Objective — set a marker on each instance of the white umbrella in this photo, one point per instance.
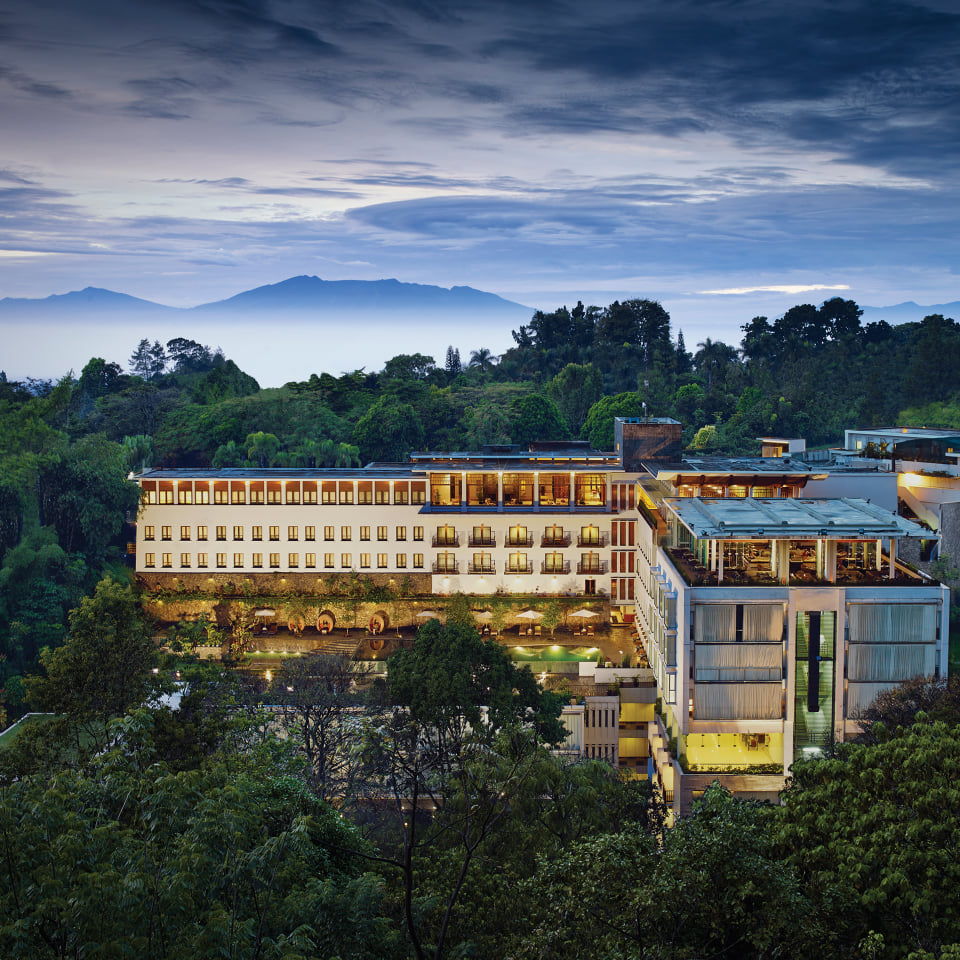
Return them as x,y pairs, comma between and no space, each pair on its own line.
265,612
427,614
484,615
583,613
530,615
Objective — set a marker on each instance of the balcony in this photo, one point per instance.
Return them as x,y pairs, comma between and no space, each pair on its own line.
593,540
519,540
446,540
551,540
519,569
591,568
446,566
482,540
555,568
482,569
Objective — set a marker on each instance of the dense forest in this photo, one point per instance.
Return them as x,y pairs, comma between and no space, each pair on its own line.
67,447
398,821
220,829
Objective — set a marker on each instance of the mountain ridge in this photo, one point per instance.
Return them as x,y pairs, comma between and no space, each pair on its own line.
296,295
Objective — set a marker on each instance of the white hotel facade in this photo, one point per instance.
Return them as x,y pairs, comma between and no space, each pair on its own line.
770,617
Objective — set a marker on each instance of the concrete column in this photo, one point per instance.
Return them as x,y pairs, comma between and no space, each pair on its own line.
879,546
463,492
499,491
783,560
719,561
830,560
536,491
573,491
893,558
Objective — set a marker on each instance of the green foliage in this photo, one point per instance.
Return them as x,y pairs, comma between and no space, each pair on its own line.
535,417
211,863
886,859
104,667
452,672
388,431
598,427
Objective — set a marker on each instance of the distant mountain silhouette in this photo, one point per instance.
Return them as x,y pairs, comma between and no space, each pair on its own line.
307,294
89,302
910,312
298,297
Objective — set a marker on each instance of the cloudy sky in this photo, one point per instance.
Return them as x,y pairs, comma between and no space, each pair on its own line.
728,157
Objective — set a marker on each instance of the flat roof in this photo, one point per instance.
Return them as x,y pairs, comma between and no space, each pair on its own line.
908,433
705,467
373,471
749,519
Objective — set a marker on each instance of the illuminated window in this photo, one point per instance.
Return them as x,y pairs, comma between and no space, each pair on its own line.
401,561
238,560
364,561
382,533
149,559
167,559
201,495
184,559
328,559
221,560
258,560
345,533
256,533
149,533
184,533
275,533
401,533
328,533
238,533
346,560
274,560
418,533
382,562
418,560
202,532
293,533
310,560
202,560
166,533
222,533
238,495
184,495
364,533
293,560
309,533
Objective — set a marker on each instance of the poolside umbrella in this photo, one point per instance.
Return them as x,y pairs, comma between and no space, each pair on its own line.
584,613
427,615
483,615
530,615
265,612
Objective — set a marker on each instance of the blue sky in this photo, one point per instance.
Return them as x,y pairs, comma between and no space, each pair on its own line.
728,158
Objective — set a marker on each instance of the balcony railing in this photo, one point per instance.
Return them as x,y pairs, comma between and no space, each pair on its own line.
593,540
521,540
597,567
555,568
482,568
446,540
551,540
516,569
483,540
442,566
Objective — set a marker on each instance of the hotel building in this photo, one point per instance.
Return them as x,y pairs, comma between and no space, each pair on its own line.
770,617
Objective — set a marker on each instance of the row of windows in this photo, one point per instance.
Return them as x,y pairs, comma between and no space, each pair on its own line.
446,535
293,532
273,561
242,496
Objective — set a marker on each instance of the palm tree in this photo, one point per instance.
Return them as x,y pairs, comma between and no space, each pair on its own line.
482,360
